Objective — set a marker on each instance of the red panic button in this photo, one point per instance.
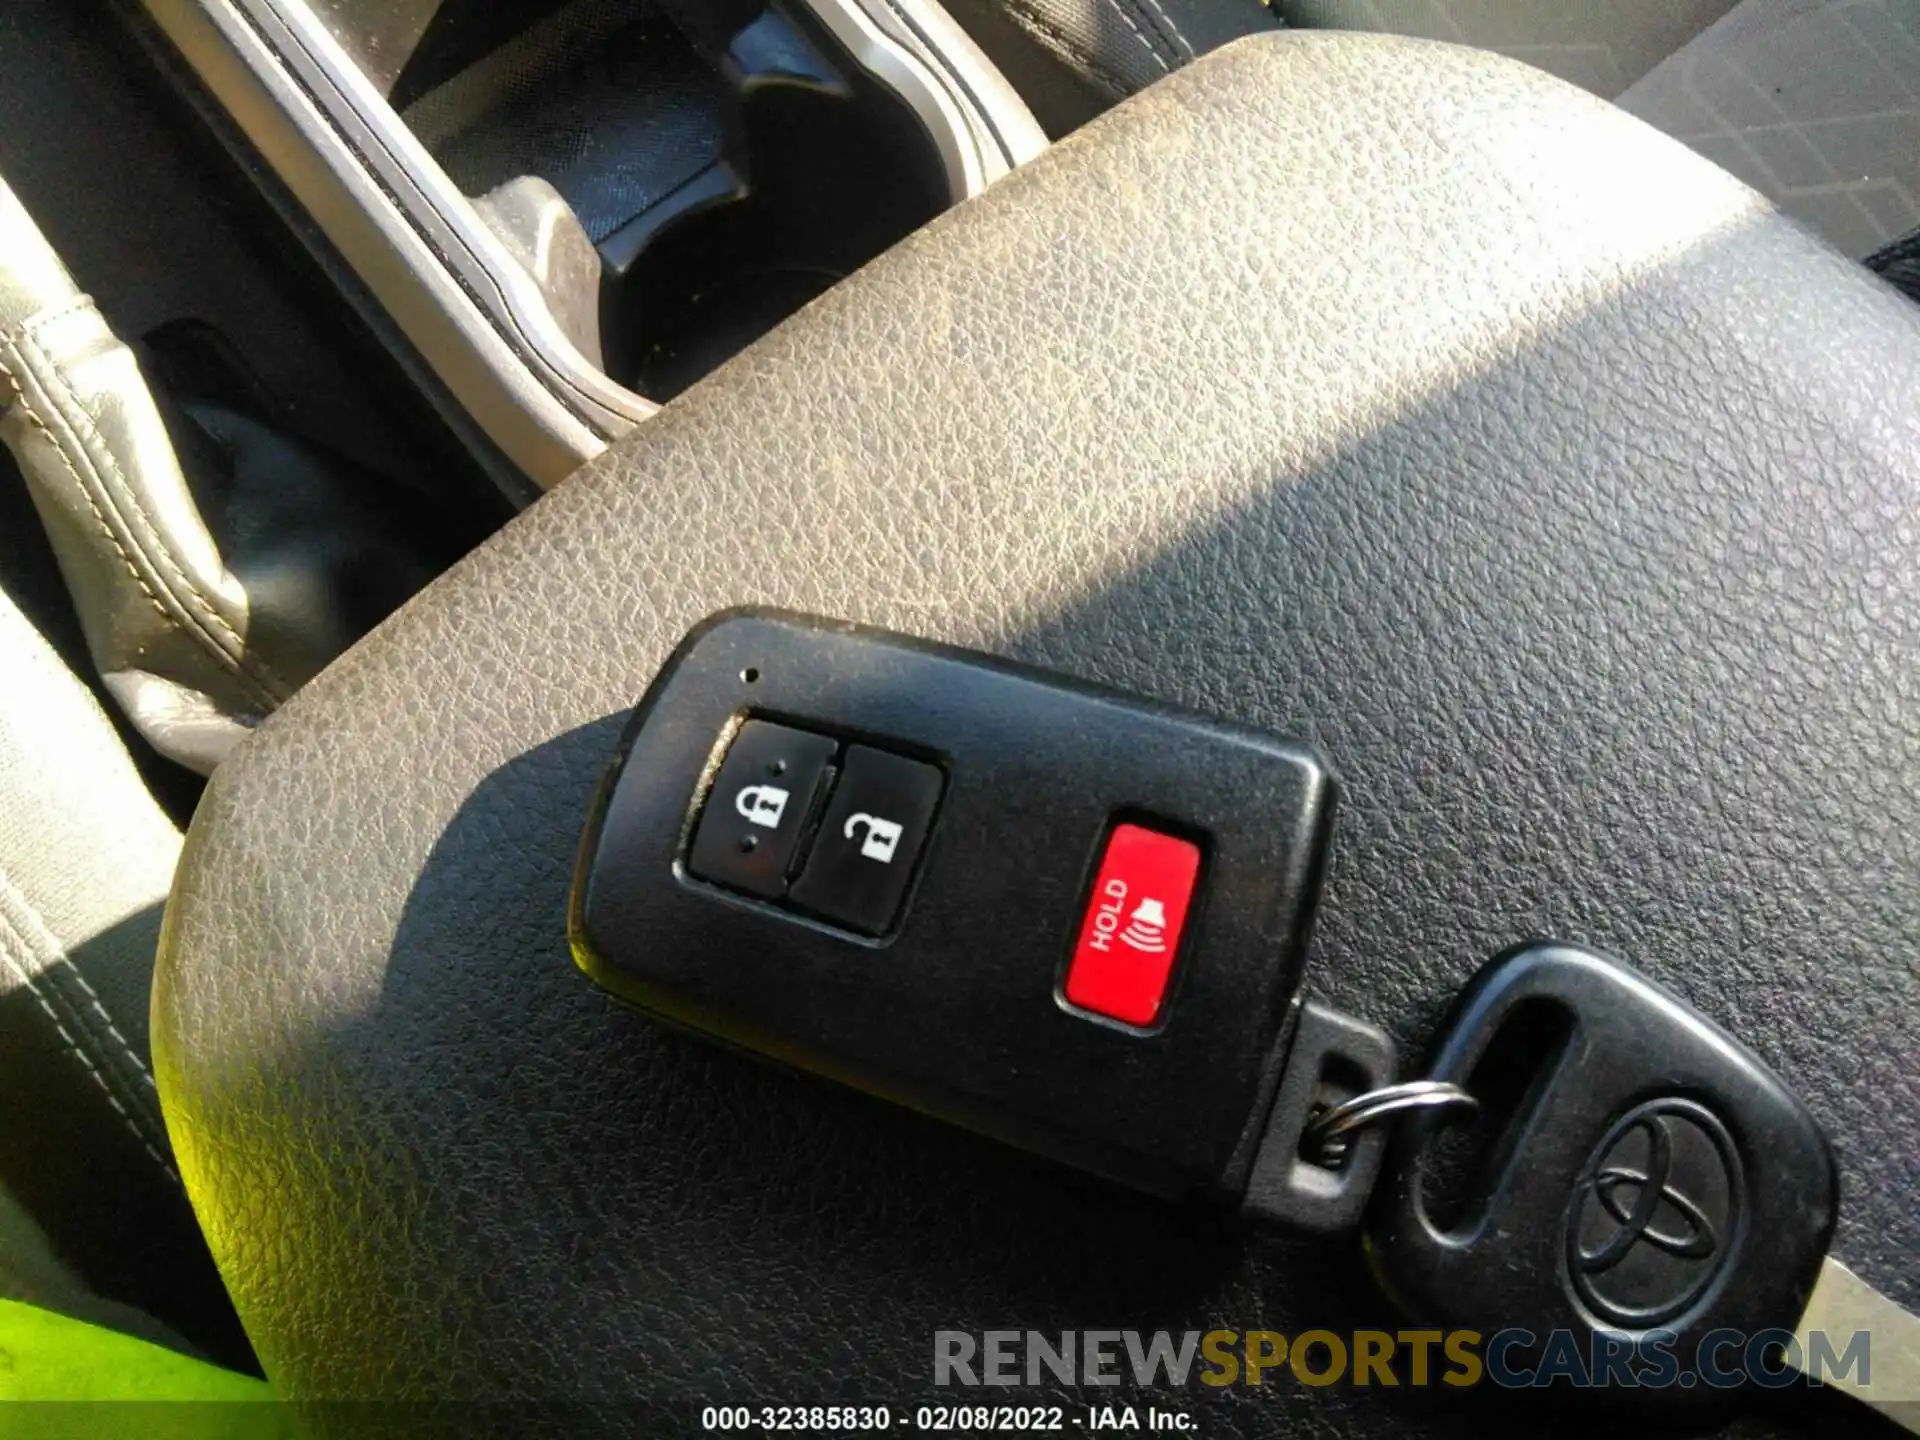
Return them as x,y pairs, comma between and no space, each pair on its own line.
1131,931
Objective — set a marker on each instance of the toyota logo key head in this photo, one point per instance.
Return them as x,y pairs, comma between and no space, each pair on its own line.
1654,1215
1635,1178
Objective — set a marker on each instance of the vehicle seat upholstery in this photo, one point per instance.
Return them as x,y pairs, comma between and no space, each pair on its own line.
86,857
1814,103
215,563
1072,59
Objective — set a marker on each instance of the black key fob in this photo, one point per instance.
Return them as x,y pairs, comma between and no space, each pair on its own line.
1072,919
1638,1179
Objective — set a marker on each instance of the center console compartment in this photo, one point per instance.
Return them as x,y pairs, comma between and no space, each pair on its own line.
573,209
721,180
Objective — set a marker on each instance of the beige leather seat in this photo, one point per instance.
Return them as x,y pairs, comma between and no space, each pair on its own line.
93,1218
86,856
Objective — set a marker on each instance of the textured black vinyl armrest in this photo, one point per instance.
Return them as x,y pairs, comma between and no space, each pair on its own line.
1382,394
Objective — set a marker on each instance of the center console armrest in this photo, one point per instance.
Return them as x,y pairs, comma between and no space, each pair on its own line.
1382,394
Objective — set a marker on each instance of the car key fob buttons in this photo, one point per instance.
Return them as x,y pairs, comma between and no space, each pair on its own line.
1066,917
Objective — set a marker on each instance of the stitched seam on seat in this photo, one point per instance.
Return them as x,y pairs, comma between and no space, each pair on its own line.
33,419
1068,49
207,643
1171,28
1088,60
79,1053
210,627
69,973
59,312
246,664
145,1093
1141,35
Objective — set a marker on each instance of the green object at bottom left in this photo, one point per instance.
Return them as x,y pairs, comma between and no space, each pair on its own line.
60,1376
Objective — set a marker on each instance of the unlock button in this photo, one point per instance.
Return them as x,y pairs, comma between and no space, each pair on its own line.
864,853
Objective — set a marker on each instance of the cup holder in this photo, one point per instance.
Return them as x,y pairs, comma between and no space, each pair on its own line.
821,177
725,180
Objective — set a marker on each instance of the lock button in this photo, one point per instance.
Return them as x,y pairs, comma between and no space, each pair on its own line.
757,809
864,852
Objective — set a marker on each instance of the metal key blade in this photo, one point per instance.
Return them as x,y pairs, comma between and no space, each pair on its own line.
1886,1374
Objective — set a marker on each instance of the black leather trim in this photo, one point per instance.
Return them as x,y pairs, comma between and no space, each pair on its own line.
1071,59
1380,394
1899,264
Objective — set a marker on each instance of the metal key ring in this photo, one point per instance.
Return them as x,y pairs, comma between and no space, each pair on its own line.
1327,1135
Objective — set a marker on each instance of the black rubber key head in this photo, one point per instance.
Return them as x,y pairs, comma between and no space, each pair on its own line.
1636,1171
